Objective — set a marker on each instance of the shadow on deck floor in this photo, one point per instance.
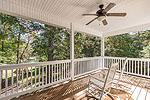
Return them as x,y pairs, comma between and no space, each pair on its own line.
76,90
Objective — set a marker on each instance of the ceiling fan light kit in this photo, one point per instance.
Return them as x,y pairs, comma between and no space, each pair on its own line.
102,14
101,18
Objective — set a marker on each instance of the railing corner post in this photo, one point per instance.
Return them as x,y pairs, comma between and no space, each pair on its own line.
72,51
102,50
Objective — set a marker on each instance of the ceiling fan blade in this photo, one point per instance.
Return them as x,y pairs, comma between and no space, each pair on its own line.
117,14
111,5
104,22
92,20
89,15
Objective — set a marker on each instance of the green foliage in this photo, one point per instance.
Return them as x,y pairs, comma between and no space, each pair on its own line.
21,39
51,44
135,45
86,45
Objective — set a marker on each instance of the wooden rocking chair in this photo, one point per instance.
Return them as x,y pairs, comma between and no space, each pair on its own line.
97,87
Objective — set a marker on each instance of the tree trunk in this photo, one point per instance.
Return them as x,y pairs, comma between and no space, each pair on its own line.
50,58
2,46
18,50
21,57
18,47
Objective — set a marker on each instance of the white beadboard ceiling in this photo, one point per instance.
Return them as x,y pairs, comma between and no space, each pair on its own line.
63,12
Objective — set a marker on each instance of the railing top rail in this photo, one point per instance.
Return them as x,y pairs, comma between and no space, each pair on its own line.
87,58
139,59
123,58
25,65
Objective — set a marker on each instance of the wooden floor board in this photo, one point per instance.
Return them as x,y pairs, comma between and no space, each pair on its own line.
137,88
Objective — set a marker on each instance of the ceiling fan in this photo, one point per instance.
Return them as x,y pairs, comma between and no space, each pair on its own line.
102,14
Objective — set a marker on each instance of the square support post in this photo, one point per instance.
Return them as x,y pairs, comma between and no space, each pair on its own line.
72,50
102,50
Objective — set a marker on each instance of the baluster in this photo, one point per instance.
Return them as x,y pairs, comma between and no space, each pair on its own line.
6,82
120,63
0,81
138,66
63,71
127,66
148,69
141,67
35,76
99,63
135,67
39,75
81,63
12,81
88,67
31,77
132,66
144,67
92,64
52,73
27,78
22,79
107,63
57,72
17,79
69,74
46,74
42,75
78,68
66,70
84,67
49,73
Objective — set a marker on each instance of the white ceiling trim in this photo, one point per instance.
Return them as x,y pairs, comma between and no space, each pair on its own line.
128,30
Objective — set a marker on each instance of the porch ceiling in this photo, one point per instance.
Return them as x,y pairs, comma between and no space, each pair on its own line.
63,12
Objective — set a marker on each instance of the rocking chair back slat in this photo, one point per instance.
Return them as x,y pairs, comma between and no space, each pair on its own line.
104,85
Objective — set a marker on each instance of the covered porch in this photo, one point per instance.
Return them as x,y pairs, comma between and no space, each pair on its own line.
57,83
68,79
76,90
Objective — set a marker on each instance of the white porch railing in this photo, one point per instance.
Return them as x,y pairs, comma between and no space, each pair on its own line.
86,65
23,78
134,66
19,79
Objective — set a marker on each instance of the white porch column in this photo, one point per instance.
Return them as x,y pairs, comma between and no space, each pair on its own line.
102,50
72,51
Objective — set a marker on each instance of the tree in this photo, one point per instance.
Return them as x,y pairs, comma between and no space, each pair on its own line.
51,44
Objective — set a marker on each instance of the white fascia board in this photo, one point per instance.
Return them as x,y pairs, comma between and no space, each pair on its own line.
128,30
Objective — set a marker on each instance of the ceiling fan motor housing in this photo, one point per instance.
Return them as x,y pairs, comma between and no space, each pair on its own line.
100,13
101,6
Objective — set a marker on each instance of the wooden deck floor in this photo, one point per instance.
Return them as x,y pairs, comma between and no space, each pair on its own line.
133,88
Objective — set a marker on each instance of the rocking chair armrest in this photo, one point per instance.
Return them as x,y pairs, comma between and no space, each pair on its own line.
103,73
96,78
